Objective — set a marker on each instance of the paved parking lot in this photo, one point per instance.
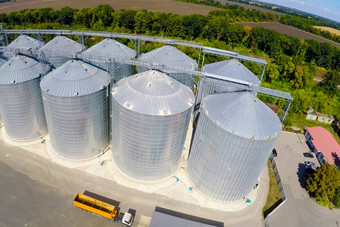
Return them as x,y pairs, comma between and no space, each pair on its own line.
299,209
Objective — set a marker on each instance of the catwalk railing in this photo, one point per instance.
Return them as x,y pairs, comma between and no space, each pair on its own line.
151,65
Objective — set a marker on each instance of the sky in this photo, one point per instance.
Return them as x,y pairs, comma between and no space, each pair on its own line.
325,8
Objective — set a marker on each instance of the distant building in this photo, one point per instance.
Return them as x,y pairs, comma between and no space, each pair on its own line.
316,116
324,145
325,118
311,115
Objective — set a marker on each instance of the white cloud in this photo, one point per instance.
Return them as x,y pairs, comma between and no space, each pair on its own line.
327,10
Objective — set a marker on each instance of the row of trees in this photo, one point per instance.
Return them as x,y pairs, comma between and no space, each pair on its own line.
308,25
292,62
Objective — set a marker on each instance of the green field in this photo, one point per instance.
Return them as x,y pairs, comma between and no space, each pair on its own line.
274,193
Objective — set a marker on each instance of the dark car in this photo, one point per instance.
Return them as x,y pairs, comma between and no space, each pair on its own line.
308,155
274,152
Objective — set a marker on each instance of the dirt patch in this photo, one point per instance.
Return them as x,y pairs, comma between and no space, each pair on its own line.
328,29
288,30
166,6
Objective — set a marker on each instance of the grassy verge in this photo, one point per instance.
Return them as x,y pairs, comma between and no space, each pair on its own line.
274,193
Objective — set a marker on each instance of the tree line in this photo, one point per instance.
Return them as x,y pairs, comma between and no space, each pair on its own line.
292,66
306,24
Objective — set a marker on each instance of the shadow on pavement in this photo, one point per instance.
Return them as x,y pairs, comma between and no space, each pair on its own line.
302,174
189,217
276,204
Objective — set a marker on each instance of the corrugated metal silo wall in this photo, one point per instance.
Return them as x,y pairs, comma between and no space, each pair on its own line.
57,61
146,147
225,166
210,86
78,126
22,110
184,78
117,71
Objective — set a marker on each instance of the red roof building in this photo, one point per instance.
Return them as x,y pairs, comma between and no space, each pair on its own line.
321,140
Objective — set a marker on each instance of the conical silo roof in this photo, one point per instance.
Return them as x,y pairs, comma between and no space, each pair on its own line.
110,48
242,114
75,78
62,44
171,56
21,68
233,69
153,93
24,41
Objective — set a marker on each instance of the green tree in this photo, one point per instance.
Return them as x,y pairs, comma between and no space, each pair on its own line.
336,198
65,16
323,183
331,81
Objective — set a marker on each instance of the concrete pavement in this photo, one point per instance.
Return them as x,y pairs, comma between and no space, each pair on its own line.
69,181
299,209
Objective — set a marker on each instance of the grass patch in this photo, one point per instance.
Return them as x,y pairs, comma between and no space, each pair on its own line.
301,122
274,193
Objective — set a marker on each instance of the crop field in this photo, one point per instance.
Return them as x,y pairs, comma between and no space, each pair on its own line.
166,6
331,30
288,30
250,7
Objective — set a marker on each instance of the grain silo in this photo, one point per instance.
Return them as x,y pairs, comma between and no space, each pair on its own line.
150,118
235,135
23,42
111,49
75,97
229,68
20,98
172,57
3,60
60,49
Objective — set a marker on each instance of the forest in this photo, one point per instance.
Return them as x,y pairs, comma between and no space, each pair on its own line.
292,63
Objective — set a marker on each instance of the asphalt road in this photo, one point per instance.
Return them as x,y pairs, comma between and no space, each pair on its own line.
25,202
299,209
37,192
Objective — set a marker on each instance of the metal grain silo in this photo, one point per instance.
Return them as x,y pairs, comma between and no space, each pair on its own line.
23,42
75,97
150,117
20,98
109,48
3,60
235,135
60,49
229,68
171,56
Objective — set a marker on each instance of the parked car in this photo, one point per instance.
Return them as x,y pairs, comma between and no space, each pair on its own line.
308,155
309,164
274,152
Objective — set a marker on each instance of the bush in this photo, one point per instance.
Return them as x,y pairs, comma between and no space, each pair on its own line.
336,198
288,122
